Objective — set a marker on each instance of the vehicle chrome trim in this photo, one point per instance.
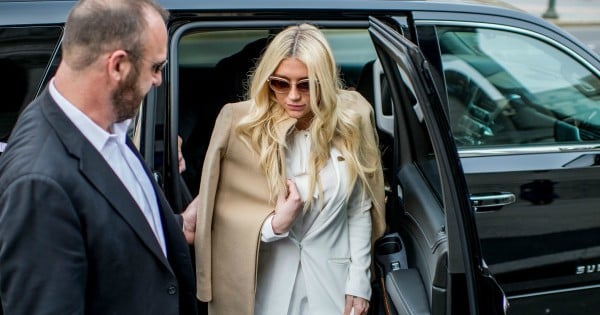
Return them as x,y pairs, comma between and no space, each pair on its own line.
558,148
540,261
483,201
549,292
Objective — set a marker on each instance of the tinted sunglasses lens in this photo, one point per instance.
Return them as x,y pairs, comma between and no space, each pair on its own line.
303,86
158,67
279,85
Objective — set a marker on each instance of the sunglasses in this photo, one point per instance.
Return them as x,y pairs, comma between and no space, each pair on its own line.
157,67
281,85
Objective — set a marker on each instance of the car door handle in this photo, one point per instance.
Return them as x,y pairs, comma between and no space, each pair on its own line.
491,201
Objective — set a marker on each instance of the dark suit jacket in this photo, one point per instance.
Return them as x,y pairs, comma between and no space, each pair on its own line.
72,239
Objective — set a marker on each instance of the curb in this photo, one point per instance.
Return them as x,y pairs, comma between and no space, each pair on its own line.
574,22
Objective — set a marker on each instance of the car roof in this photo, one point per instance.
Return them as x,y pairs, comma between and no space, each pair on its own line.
24,12
336,5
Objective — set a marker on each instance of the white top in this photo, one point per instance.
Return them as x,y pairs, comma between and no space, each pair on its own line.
299,300
296,162
126,165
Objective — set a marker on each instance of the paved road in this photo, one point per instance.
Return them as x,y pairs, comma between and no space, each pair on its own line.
588,34
569,11
579,17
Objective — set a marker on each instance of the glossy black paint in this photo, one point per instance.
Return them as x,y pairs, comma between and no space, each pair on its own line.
545,243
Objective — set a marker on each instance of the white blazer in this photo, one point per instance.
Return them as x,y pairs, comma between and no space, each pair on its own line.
334,255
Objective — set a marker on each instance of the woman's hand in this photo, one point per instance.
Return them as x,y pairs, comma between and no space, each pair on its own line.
287,209
360,305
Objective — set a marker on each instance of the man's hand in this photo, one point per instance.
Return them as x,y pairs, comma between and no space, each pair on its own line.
180,158
189,220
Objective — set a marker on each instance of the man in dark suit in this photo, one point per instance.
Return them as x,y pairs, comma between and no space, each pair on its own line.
84,229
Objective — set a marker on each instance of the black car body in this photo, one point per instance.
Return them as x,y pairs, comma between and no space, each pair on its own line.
489,123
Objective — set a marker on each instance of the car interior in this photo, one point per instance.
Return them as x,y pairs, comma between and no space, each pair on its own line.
17,85
535,97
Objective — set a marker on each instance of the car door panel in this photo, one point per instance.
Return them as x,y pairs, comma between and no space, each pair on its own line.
407,293
422,183
540,241
422,222
424,226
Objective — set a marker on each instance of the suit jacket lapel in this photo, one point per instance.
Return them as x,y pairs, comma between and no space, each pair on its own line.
93,166
166,213
178,251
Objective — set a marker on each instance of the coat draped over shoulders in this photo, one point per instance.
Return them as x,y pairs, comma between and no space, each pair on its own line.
231,212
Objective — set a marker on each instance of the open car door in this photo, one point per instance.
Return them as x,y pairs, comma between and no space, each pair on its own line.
428,203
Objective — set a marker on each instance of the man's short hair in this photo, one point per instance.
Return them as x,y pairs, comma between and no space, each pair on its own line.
94,27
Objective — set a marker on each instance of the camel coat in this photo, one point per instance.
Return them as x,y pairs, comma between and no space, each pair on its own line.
231,212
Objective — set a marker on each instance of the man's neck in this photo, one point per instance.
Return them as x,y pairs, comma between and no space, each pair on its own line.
82,91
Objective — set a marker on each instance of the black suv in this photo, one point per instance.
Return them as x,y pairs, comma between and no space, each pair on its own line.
489,123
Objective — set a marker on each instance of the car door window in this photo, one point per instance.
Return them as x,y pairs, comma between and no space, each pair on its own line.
509,89
24,56
523,110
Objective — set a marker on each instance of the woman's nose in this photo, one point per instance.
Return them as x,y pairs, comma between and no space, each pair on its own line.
294,94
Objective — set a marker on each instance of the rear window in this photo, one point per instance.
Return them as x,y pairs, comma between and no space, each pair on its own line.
24,56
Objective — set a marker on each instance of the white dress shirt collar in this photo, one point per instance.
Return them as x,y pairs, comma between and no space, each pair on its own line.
121,159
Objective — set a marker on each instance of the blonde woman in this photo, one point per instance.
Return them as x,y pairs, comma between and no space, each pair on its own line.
291,192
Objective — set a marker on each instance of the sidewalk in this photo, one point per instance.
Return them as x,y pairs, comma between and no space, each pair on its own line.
570,12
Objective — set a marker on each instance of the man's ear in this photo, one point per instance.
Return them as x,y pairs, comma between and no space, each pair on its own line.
119,64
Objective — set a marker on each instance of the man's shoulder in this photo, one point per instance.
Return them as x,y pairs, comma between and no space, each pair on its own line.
33,147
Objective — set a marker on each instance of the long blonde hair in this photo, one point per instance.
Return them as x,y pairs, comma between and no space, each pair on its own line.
330,125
